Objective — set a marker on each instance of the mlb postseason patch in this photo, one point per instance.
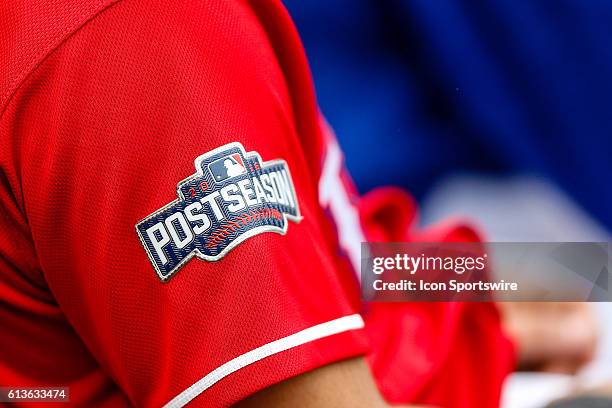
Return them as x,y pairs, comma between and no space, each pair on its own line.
232,196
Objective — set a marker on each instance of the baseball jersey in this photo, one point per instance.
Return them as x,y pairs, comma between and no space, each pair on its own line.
443,354
175,225
161,234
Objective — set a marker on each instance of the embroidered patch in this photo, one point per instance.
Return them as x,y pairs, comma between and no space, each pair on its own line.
232,196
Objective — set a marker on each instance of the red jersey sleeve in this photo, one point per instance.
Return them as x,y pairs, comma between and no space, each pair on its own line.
172,204
441,344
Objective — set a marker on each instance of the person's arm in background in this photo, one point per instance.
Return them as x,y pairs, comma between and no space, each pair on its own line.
551,336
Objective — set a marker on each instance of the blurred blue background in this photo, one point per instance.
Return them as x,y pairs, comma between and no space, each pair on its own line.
419,89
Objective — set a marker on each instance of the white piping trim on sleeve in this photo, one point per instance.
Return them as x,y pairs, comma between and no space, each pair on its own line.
319,331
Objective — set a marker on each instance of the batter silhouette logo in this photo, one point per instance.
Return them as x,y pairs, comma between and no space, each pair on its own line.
233,196
226,167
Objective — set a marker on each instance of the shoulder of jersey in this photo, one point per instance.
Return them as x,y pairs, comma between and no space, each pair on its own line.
35,29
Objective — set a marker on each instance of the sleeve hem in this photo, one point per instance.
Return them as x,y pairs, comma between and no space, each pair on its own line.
319,331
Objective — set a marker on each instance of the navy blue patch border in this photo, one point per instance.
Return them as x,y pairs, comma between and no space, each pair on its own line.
240,238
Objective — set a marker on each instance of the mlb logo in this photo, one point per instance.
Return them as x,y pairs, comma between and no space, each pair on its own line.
226,167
